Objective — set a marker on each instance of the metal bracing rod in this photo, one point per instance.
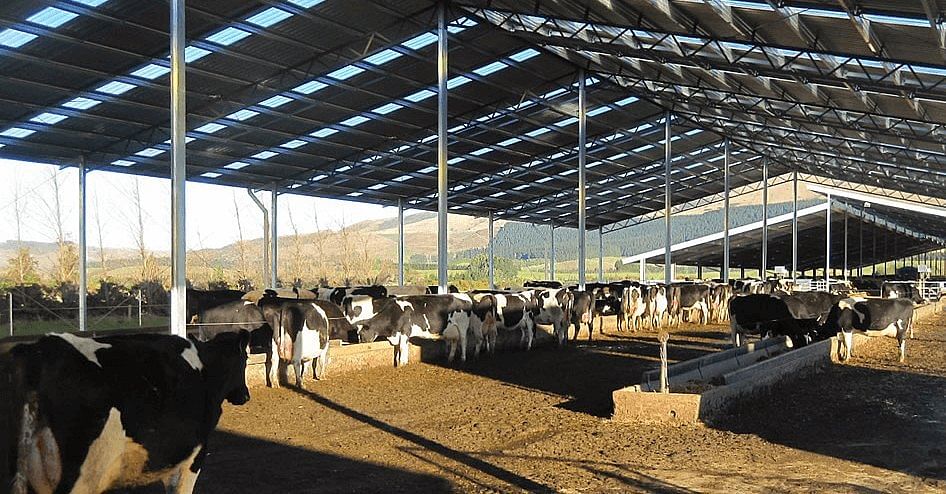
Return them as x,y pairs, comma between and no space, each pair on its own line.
400,242
267,229
83,249
274,239
442,67
794,224
765,218
178,172
552,251
668,269
827,241
490,257
726,191
600,255
582,189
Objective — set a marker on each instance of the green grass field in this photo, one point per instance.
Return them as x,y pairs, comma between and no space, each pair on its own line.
110,323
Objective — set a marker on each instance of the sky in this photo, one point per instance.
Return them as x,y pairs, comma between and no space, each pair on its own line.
211,221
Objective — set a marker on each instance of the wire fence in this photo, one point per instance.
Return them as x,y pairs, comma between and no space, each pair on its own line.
23,314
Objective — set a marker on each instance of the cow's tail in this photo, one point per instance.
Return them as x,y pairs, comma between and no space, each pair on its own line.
737,332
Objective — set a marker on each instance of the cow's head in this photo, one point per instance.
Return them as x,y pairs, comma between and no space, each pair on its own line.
367,334
224,360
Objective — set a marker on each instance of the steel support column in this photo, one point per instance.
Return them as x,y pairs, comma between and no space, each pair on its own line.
763,272
273,240
668,270
794,224
83,250
582,152
442,252
490,255
178,173
827,242
845,246
725,267
642,274
400,242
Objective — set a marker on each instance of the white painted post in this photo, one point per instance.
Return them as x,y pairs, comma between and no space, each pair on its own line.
400,242
827,246
273,240
10,300
442,67
724,274
765,219
663,337
668,273
83,251
490,255
178,172
642,276
139,308
582,144
794,224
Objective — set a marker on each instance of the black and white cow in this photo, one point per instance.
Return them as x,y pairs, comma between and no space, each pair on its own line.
434,289
362,308
200,300
301,333
336,295
96,414
633,307
892,317
687,298
582,307
607,298
799,316
543,284
555,306
447,317
658,304
720,294
902,290
516,311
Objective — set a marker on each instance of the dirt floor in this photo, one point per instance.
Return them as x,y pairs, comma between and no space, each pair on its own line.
537,421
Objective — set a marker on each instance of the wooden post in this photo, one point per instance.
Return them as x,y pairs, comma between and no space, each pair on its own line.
663,337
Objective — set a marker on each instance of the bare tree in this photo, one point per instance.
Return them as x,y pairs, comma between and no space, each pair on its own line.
103,259
348,254
319,239
138,230
22,266
297,263
241,244
66,265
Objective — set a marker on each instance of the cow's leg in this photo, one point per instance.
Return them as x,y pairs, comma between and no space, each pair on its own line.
272,366
477,338
184,476
463,343
530,334
847,344
298,367
736,332
320,368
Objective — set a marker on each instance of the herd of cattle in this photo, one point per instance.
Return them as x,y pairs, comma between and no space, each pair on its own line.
93,414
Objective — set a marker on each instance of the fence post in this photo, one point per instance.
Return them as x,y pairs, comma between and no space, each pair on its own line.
663,337
10,305
139,307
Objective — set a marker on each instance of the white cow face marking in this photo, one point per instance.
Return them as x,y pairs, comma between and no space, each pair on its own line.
86,346
189,354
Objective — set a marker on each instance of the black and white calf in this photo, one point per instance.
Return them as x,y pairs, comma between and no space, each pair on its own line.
875,317
91,415
516,311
